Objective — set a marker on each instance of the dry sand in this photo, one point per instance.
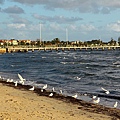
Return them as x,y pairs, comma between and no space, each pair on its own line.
18,103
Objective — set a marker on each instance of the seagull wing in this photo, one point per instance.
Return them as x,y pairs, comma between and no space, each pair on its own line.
103,89
20,77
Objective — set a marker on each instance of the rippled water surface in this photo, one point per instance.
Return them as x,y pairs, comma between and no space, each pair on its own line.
72,71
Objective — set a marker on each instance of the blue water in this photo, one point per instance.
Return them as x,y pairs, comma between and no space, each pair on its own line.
72,71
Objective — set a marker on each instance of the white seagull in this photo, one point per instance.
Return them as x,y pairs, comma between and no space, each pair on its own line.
51,94
8,80
32,88
115,105
94,97
16,83
96,100
106,91
45,86
22,80
53,89
74,96
61,91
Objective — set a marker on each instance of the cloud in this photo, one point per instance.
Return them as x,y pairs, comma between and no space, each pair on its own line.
86,27
57,19
114,26
89,6
16,26
13,9
19,20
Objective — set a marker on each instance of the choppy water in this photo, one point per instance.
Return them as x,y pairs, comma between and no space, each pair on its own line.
72,71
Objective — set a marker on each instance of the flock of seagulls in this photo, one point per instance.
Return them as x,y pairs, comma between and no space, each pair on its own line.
95,99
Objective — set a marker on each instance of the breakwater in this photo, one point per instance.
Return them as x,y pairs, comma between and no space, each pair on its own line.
26,49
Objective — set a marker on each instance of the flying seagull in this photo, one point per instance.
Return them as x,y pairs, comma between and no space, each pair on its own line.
106,91
22,80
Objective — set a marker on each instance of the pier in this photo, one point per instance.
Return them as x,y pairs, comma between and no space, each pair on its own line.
26,49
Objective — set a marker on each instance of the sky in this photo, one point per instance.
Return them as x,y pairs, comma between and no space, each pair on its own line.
73,20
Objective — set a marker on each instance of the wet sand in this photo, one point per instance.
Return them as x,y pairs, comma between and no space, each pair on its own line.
18,103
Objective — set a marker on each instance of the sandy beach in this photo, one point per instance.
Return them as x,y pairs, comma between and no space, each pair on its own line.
18,103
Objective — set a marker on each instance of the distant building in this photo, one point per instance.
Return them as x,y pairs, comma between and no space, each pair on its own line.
13,42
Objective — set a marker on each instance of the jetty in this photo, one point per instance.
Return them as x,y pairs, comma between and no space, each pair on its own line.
26,49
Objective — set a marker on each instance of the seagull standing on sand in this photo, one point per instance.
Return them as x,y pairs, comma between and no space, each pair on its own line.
115,105
32,88
51,94
61,91
94,97
44,87
106,91
74,96
16,83
96,100
8,80
53,89
22,80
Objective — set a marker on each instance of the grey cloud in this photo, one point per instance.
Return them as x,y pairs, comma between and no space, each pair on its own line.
93,6
13,9
57,19
19,20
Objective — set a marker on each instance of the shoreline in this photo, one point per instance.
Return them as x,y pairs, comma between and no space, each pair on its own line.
81,107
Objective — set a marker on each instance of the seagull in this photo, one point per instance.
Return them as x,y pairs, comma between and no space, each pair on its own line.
51,94
32,88
106,91
115,105
8,80
22,80
78,78
11,80
16,83
94,97
45,86
96,100
41,90
74,96
61,91
53,89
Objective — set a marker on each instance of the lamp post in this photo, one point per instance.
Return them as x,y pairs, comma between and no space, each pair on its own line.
66,36
40,33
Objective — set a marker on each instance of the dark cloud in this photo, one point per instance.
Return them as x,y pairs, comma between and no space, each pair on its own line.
57,19
93,6
13,9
